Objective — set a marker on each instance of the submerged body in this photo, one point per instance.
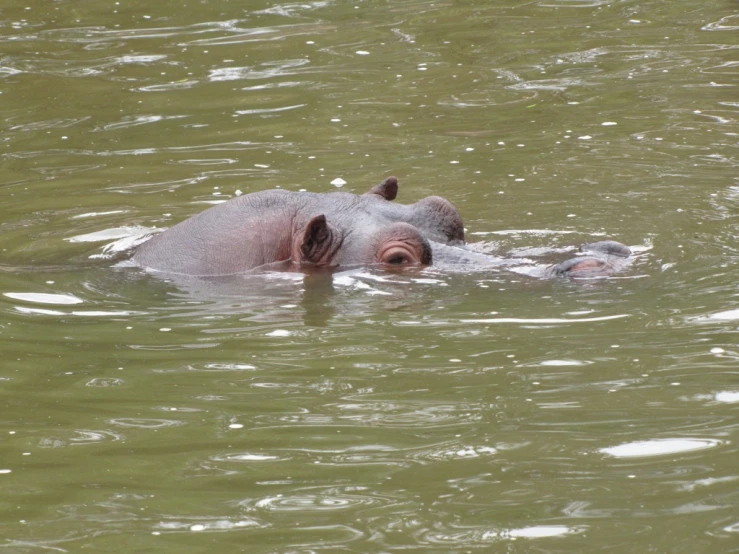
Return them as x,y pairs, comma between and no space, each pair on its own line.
338,229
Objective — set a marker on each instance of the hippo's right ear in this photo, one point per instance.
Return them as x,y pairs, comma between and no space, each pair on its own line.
388,189
316,240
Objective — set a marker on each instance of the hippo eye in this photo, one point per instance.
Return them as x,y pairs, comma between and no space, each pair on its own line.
398,254
402,245
398,260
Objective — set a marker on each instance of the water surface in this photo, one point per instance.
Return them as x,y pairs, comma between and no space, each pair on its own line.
415,412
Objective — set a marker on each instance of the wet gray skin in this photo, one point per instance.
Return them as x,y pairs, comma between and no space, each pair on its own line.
296,230
597,259
600,258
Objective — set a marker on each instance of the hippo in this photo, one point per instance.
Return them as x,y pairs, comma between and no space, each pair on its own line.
595,260
296,230
600,258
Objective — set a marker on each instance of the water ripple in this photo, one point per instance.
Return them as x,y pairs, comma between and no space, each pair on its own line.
728,23
293,10
222,366
491,535
353,498
454,451
207,524
268,70
142,423
246,457
81,437
95,34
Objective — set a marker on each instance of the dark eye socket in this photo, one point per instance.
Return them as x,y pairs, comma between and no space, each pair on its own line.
398,260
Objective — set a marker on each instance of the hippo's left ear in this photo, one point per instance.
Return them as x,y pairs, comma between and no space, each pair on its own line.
316,240
388,189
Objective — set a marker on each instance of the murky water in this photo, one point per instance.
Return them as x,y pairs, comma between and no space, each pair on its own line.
371,412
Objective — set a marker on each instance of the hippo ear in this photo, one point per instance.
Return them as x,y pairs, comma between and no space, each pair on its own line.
316,240
388,189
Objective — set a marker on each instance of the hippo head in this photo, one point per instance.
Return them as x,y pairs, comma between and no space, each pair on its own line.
372,229
395,244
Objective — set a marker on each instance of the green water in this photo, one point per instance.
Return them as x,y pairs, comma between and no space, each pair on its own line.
410,412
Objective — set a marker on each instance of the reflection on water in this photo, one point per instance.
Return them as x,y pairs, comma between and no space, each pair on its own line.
43,298
658,447
422,411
